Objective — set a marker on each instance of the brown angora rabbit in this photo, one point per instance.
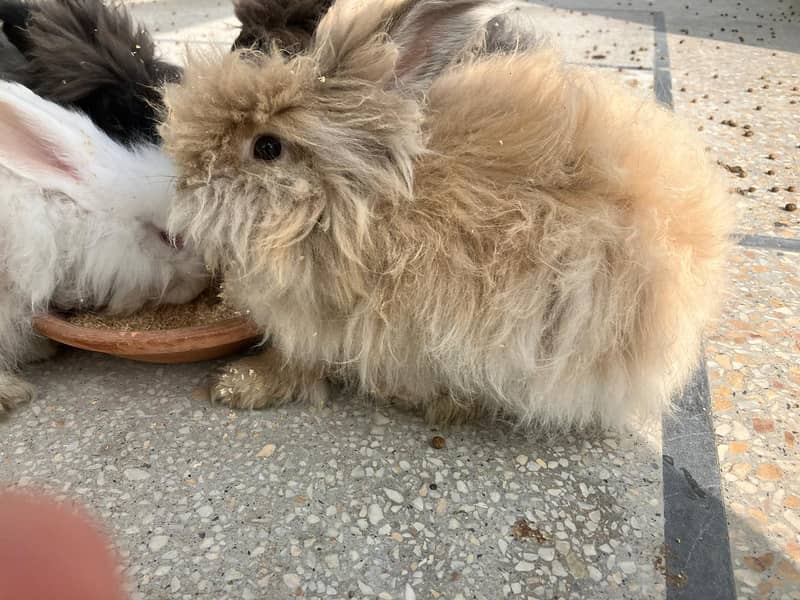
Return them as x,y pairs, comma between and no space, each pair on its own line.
525,239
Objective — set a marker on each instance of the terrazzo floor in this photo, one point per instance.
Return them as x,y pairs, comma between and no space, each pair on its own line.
353,501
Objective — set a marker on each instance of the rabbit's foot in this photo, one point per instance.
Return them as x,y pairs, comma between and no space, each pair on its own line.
268,380
40,349
14,391
446,411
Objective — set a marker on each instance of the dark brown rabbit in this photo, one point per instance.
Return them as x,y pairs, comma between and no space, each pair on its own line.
289,24
86,54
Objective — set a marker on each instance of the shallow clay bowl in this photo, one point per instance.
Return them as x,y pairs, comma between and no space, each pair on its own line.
166,346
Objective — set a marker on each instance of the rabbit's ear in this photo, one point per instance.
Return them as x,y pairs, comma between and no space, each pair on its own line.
39,140
62,150
433,34
351,40
404,42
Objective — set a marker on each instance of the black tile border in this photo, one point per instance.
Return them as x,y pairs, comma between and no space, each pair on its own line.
662,78
697,556
636,68
768,242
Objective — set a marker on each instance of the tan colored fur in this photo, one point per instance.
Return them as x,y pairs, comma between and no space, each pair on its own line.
530,239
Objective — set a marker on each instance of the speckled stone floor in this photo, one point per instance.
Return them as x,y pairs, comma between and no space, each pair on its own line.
348,502
354,502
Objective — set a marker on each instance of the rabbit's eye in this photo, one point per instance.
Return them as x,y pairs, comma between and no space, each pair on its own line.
267,147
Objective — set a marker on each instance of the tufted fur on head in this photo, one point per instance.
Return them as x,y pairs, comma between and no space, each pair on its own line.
526,238
289,24
91,56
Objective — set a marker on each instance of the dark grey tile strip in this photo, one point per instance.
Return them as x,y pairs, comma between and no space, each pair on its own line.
769,242
697,552
608,66
611,11
696,547
662,78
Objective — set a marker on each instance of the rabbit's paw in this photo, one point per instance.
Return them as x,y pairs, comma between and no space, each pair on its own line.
445,411
40,349
241,385
14,391
266,380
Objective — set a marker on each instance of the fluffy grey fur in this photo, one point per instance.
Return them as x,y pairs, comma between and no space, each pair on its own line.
10,59
287,23
85,54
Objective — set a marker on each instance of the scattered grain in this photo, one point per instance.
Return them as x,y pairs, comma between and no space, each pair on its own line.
207,308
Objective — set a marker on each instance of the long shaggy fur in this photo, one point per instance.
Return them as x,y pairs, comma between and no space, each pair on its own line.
288,24
86,54
528,240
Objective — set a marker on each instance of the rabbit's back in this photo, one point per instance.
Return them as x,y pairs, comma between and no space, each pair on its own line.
565,246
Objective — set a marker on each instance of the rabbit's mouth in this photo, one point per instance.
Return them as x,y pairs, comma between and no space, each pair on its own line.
173,241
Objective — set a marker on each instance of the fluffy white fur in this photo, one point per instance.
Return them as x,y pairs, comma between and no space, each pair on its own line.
81,224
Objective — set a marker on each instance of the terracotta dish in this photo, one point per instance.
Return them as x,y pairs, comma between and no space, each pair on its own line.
167,346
